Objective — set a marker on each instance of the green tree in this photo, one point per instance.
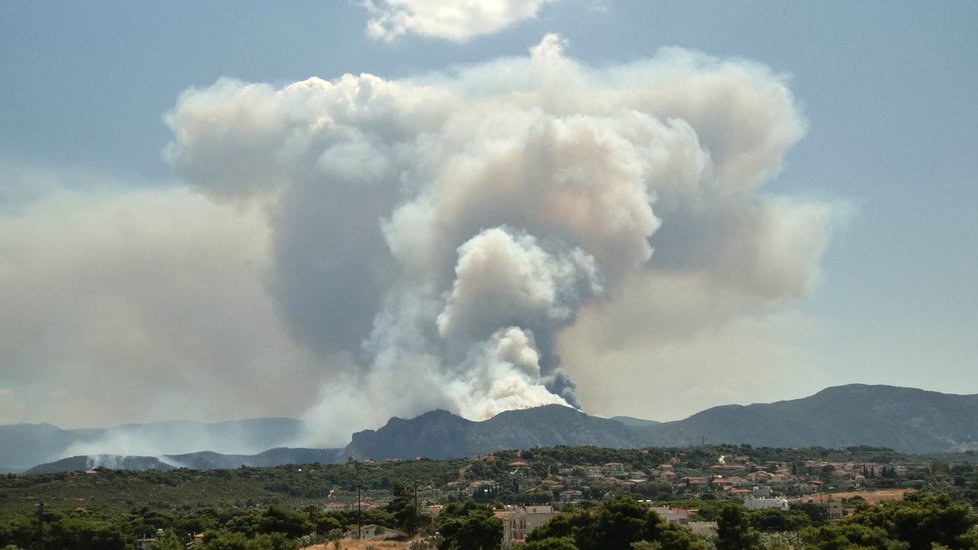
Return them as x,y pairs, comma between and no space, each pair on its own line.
403,506
563,525
677,537
619,522
325,524
469,526
921,520
84,532
292,523
17,531
550,543
848,536
169,541
225,540
272,541
826,473
197,521
856,502
817,515
245,522
776,520
733,529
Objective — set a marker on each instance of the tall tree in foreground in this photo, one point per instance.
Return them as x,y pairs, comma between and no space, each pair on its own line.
617,523
469,526
404,506
921,521
733,529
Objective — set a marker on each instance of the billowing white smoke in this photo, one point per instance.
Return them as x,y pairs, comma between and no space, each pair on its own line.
432,237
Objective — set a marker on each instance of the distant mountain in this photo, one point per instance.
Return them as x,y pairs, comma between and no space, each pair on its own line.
204,460
632,421
207,460
440,434
112,462
23,446
904,419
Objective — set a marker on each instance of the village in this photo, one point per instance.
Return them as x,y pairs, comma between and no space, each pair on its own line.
682,498
525,496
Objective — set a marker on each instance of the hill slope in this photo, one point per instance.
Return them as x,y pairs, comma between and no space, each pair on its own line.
905,419
440,434
23,446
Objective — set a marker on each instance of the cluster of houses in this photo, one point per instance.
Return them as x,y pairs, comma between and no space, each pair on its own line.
519,521
759,486
739,478
773,485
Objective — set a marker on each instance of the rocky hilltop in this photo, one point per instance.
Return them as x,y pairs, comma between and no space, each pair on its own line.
440,434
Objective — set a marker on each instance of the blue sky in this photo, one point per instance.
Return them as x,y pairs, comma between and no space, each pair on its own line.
104,234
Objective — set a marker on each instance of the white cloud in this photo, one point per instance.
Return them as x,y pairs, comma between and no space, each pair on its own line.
416,225
456,20
361,248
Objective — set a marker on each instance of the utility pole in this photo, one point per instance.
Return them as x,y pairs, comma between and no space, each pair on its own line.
359,528
415,507
40,526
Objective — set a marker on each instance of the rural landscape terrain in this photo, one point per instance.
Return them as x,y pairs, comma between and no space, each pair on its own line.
550,477
488,275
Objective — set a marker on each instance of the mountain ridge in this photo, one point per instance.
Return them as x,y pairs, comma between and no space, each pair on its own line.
24,446
440,434
907,420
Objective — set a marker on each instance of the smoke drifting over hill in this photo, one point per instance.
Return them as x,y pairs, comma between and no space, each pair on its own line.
433,238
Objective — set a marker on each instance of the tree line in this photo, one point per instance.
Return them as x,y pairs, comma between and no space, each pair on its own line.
920,521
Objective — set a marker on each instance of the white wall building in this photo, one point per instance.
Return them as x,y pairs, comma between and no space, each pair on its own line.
761,503
518,521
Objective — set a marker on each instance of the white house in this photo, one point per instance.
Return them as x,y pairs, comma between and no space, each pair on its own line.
761,503
519,521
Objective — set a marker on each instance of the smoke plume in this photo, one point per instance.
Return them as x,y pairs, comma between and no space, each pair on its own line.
435,239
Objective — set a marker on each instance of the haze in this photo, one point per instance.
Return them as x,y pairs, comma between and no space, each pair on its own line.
343,212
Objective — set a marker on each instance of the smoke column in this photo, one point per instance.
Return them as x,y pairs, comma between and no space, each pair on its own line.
434,236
